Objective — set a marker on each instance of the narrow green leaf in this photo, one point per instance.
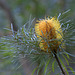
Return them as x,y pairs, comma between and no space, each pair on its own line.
59,73
49,73
39,67
66,59
66,12
72,62
64,66
46,66
71,69
67,55
34,70
53,66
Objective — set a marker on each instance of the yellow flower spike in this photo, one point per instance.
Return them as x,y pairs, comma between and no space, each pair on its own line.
49,33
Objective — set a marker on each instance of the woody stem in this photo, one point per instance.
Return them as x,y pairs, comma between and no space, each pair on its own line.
59,63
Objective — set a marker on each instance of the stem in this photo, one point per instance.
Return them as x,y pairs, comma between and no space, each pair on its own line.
59,63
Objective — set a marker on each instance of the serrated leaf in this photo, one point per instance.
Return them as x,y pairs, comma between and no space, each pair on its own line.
53,66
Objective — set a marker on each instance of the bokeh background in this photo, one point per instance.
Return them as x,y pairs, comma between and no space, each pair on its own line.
22,10
19,12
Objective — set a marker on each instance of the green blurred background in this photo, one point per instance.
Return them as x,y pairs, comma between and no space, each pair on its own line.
22,11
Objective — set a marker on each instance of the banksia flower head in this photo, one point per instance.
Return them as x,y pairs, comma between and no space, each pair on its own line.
49,34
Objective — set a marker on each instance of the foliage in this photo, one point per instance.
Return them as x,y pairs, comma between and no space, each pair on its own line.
24,44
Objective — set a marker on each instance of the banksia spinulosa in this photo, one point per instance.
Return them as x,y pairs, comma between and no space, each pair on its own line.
50,37
50,34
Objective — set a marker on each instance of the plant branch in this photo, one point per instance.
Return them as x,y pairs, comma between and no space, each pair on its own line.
59,63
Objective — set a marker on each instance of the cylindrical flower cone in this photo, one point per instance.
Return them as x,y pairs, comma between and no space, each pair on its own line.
50,37
49,34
